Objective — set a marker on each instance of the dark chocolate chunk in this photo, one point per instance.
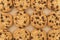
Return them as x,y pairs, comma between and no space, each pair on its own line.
21,6
37,17
2,20
24,21
0,33
34,22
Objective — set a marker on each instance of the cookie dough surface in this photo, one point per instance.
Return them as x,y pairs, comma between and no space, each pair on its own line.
38,35
54,20
21,4
21,34
5,5
38,19
6,19
54,5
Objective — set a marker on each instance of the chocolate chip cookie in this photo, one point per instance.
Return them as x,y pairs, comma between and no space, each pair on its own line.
5,5
54,34
38,19
54,5
21,19
38,4
38,35
54,20
6,19
21,34
5,35
21,4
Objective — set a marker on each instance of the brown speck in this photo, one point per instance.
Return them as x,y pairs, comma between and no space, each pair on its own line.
37,17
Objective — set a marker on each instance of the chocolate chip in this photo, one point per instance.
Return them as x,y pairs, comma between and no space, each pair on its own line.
0,33
25,36
37,17
57,18
5,39
7,0
56,23
34,22
6,16
31,37
2,20
24,21
18,0
53,36
44,2
54,15
1,17
52,7
43,23
34,7
40,8
57,10
36,13
8,21
21,6
42,38
39,24
20,37
2,3
39,12
13,39
49,35
15,18
43,18
3,8
24,12
20,27
28,39
39,35
17,12
20,13
41,30
10,6
59,38
51,26
51,0
33,3
23,25
50,21
57,6
39,2
6,26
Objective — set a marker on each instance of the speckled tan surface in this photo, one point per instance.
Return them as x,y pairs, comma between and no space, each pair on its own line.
30,28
